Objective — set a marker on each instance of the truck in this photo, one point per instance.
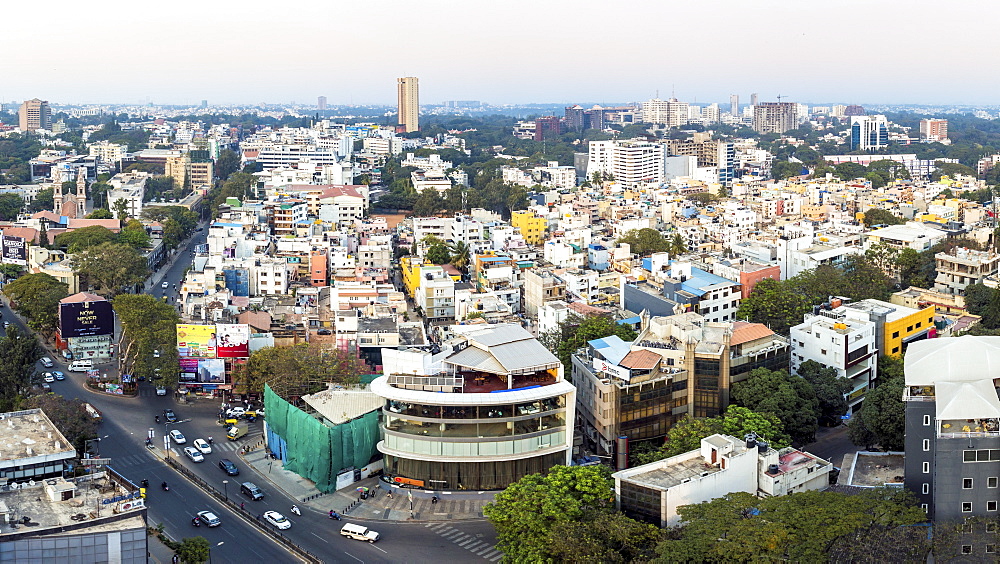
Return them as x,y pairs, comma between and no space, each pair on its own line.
92,411
237,431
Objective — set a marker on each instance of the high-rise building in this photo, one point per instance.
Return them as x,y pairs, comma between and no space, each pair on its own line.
934,130
204,104
774,117
546,127
952,423
734,104
671,113
854,110
573,117
35,114
869,132
321,102
710,114
754,99
631,162
408,94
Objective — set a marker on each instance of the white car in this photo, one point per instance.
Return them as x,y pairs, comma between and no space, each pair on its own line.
46,361
48,377
277,519
161,391
202,446
165,285
194,454
177,437
209,518
236,412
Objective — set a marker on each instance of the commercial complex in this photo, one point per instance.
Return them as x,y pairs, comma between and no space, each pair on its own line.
34,114
408,95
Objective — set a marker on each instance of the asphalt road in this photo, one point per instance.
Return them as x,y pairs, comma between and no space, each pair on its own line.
128,421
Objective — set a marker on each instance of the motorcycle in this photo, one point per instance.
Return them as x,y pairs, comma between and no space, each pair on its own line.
157,418
145,483
335,515
196,522
165,487
295,510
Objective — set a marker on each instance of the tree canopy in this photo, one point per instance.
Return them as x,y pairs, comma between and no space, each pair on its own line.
148,343
36,296
67,415
79,240
297,370
800,527
114,267
18,354
645,241
789,398
575,331
879,216
882,419
829,388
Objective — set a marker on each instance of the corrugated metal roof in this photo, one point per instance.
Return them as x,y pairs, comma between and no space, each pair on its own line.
522,355
641,359
744,332
478,359
498,334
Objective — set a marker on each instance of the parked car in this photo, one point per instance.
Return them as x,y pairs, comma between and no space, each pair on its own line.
324,332
168,414
59,375
177,437
228,467
277,519
46,361
46,387
209,518
202,446
161,391
48,377
194,454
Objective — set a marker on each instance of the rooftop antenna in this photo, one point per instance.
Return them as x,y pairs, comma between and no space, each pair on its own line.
780,97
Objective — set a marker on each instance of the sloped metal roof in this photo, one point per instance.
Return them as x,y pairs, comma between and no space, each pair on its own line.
966,400
477,359
954,359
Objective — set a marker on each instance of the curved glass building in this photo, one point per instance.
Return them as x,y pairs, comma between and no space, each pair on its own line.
491,409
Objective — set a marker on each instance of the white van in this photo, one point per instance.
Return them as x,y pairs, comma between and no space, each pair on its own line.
357,532
81,365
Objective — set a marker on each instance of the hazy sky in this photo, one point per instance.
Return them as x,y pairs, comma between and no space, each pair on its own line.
183,51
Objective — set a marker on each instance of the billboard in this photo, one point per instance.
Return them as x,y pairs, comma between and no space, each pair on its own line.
85,319
196,341
15,250
212,370
233,341
189,369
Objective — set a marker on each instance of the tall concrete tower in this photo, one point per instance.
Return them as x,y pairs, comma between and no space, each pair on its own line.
408,93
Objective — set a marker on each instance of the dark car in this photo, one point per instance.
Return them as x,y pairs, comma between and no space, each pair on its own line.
228,467
324,332
168,414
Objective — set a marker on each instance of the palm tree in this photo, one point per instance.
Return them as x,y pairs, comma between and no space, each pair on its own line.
460,255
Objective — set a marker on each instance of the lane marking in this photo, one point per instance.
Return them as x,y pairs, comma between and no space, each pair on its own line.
377,548
354,557
320,538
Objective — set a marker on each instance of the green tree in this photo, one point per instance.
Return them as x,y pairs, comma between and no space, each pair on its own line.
437,253
227,163
737,421
36,296
878,216
781,170
120,207
79,240
603,536
830,390
67,415
677,245
909,263
18,354
298,370
790,398
883,415
134,235
803,527
193,550
43,235
978,298
10,206
460,255
775,304
862,280
428,203
112,266
645,241
101,213
884,257
43,201
525,513
148,342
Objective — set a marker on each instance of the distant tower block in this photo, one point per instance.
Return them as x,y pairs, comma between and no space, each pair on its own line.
408,93
321,102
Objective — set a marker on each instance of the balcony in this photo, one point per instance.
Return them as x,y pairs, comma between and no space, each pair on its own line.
959,428
918,393
484,382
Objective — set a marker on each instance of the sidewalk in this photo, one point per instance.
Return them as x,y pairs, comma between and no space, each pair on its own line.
452,506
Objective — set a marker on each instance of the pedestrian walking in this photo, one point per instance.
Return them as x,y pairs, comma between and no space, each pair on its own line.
388,494
242,505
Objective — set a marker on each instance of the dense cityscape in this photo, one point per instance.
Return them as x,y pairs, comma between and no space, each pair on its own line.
644,331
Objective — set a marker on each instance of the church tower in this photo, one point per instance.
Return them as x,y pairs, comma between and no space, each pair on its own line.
81,192
57,198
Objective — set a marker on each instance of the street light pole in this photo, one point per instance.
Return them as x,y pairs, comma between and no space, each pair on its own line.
225,486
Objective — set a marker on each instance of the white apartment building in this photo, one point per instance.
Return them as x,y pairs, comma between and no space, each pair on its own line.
670,113
434,179
292,156
582,284
269,276
436,294
961,267
430,162
107,152
844,340
914,235
563,255
130,187
632,162
383,145
429,226
465,229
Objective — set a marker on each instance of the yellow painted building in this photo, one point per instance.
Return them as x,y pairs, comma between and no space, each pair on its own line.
412,268
903,325
532,227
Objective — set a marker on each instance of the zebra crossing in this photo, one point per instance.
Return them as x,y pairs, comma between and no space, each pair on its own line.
469,542
142,457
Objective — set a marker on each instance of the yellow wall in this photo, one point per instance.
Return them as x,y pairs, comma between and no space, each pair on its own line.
532,228
896,331
411,267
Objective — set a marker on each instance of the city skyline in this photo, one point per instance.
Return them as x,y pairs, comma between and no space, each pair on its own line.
820,53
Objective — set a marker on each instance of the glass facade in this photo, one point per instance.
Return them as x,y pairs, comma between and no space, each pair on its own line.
641,503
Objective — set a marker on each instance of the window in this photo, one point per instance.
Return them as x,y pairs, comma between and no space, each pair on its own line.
924,507
966,507
991,506
966,549
822,351
895,335
991,482
895,350
991,548
925,489
927,467
967,483
927,445
927,420
991,527
919,325
910,328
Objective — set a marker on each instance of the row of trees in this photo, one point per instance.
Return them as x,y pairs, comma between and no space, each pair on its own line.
568,516
297,370
148,343
646,241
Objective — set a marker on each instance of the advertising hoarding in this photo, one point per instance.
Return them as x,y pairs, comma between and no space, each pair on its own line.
15,250
196,341
233,340
212,370
85,319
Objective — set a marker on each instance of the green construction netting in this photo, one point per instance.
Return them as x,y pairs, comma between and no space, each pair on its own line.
314,450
